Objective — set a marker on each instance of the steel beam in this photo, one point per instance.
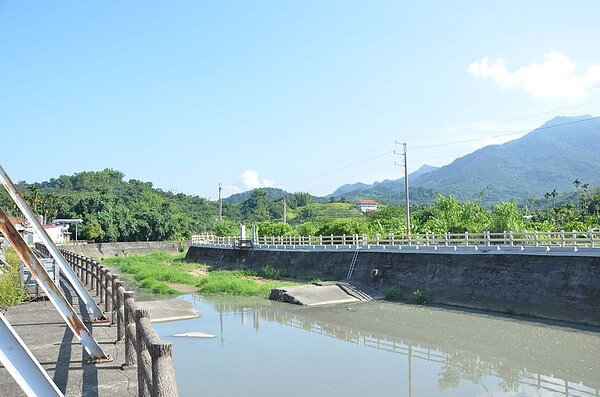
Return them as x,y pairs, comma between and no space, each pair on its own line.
22,365
83,294
52,291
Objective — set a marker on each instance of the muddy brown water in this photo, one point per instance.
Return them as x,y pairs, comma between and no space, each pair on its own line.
263,348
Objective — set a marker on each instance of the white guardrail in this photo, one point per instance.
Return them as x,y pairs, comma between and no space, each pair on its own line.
536,242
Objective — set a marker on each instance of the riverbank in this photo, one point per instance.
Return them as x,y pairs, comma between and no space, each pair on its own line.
563,288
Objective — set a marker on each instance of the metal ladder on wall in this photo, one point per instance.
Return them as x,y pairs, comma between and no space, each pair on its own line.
352,265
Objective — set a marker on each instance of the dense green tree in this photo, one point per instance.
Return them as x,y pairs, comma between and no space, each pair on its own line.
338,227
273,229
387,220
226,228
506,217
256,208
302,199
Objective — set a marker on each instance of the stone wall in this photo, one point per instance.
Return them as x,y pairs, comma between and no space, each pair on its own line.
563,288
98,251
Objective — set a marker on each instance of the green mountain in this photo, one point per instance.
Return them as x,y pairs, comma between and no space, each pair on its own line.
549,158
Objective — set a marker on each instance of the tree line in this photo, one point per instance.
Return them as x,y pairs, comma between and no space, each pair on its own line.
113,210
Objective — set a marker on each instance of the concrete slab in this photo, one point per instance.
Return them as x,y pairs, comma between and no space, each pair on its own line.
59,352
62,356
169,310
312,295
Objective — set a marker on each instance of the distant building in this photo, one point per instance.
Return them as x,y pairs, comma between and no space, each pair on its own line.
366,205
59,234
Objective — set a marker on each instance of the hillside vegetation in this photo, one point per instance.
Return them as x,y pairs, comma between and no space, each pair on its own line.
115,210
546,180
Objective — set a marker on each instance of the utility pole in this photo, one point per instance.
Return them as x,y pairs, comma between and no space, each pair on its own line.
407,200
220,203
284,209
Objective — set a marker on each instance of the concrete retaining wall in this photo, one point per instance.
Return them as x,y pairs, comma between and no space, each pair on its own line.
553,287
98,251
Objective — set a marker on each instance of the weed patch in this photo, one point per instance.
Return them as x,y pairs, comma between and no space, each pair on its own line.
393,294
156,271
11,292
421,297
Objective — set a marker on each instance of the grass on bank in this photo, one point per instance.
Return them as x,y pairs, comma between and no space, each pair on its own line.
11,292
164,273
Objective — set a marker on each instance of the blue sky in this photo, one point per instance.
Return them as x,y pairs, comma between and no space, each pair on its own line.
299,95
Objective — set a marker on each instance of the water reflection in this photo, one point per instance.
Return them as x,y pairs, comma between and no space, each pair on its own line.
434,361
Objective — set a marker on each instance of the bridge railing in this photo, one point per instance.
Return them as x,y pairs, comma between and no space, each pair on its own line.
533,238
143,347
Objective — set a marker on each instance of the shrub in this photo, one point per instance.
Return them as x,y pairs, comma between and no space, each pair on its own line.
393,294
11,292
421,297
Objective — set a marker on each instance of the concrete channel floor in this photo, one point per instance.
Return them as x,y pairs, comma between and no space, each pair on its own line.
60,353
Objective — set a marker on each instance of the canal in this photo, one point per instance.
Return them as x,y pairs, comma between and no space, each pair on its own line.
264,348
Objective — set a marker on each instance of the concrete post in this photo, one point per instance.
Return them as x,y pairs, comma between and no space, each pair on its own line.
99,269
163,376
113,292
120,310
142,354
130,330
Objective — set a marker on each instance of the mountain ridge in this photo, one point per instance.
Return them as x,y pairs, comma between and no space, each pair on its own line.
550,157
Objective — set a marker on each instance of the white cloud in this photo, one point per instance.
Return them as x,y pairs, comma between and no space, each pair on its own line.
251,181
555,78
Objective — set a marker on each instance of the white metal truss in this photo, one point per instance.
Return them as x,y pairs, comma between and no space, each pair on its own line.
52,291
83,294
22,365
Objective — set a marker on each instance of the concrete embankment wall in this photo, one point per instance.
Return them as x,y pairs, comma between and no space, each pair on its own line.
99,251
563,288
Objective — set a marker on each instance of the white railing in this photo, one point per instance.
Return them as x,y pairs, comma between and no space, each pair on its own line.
535,239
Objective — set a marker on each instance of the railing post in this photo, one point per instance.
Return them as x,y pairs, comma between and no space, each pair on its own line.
467,239
591,238
141,350
99,269
392,239
87,271
536,238
113,292
79,267
163,376
130,330
510,236
562,238
377,237
120,310
108,303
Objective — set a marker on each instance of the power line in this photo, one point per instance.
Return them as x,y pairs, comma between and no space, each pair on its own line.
315,176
